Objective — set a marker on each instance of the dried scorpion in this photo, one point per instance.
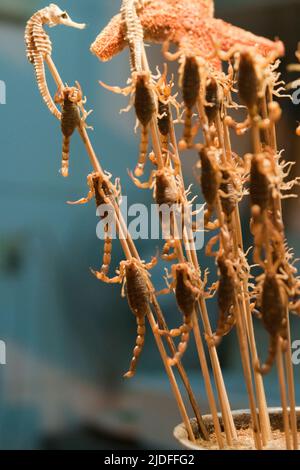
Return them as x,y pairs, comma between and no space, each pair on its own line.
213,99
165,99
226,291
133,273
191,72
215,182
102,190
39,47
142,92
256,75
71,101
167,192
266,225
188,289
274,303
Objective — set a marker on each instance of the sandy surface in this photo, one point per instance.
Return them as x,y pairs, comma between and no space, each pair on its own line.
245,441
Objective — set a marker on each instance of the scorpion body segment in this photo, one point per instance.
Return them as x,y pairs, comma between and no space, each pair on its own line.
210,176
248,83
190,82
273,316
228,198
185,296
38,46
164,119
166,191
145,108
144,103
226,297
190,91
213,100
259,183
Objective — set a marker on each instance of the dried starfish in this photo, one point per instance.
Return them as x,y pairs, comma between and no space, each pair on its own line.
190,24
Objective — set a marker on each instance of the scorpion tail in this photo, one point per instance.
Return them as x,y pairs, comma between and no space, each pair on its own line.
266,367
65,157
187,140
139,170
185,337
140,340
107,251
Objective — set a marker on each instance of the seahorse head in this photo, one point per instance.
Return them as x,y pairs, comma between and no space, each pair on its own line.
53,16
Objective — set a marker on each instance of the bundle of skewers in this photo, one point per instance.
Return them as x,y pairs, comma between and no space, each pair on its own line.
217,75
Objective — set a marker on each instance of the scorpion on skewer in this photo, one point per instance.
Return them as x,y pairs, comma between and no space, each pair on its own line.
102,190
226,288
135,278
193,72
39,47
216,181
165,100
71,101
256,75
168,193
188,288
143,98
274,304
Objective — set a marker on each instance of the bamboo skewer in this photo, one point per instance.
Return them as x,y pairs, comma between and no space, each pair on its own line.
291,389
282,387
223,134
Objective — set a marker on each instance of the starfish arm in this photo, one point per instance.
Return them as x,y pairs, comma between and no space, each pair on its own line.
202,45
227,36
111,41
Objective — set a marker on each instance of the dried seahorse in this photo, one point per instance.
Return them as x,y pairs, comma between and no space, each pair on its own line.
134,33
38,45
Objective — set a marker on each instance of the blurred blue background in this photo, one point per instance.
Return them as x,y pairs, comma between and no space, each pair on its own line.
69,338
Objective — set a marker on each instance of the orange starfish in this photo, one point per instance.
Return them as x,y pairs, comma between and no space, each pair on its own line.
190,24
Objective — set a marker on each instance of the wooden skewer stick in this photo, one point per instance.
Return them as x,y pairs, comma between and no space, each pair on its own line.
282,387
291,387
224,139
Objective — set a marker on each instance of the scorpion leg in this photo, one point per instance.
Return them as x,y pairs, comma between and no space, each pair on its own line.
84,200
